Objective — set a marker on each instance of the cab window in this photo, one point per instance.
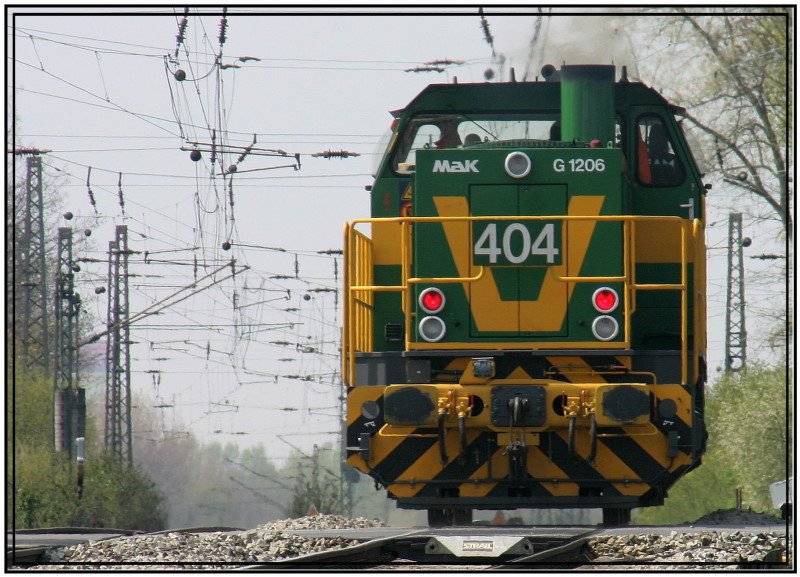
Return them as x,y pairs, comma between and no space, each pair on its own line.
422,137
458,130
656,160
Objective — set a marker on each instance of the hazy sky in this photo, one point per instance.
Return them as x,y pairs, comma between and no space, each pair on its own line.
251,357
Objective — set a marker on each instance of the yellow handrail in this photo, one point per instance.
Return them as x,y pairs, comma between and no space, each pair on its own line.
357,330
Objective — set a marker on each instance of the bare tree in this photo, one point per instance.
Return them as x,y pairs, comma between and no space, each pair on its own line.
728,67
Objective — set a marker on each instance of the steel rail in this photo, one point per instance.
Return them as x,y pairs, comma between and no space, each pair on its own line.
566,554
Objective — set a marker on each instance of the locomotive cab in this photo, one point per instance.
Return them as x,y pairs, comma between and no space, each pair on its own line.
524,321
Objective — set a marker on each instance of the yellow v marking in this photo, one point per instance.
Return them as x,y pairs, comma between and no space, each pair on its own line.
548,311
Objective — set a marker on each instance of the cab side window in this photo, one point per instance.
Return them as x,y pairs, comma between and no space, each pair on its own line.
422,136
656,161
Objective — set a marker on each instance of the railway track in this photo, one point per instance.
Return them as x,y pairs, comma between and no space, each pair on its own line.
479,547
384,548
29,546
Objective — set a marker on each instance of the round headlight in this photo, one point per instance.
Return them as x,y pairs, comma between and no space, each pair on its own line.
605,328
432,329
518,164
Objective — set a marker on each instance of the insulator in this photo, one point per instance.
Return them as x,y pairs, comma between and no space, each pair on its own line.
181,31
335,154
121,198
487,34
222,26
213,146
444,62
425,69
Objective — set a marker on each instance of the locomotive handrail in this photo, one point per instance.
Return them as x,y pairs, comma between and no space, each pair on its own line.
359,285
577,217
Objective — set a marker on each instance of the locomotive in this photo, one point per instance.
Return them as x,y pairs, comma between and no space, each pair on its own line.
524,309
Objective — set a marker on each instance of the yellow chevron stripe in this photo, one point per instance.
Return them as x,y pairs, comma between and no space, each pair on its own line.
575,370
499,470
481,489
609,465
459,364
655,444
540,466
518,373
428,465
382,446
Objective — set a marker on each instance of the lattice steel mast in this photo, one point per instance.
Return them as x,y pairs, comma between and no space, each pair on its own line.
34,329
68,397
118,438
735,330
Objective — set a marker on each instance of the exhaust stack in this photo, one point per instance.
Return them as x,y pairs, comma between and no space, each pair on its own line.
587,102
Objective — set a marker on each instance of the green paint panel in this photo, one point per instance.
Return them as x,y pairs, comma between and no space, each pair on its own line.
656,322
386,308
530,283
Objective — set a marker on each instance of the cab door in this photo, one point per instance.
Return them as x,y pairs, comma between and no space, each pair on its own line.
509,302
664,183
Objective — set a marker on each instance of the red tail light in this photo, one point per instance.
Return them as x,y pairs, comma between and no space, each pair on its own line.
431,300
605,299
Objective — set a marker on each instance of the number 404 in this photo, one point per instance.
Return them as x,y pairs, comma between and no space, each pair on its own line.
543,245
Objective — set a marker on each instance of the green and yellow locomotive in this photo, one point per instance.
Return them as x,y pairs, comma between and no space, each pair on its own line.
524,320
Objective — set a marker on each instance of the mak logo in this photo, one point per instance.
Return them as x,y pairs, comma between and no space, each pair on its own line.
455,166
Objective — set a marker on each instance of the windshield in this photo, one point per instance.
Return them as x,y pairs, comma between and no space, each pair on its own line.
460,130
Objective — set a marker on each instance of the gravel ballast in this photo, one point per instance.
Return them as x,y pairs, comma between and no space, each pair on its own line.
705,547
275,541
192,551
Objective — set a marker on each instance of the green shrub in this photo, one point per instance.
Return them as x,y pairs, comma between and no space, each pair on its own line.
43,487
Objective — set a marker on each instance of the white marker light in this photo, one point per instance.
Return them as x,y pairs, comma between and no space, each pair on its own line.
518,164
605,328
432,329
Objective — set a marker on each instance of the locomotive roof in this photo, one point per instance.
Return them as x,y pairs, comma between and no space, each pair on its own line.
514,96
